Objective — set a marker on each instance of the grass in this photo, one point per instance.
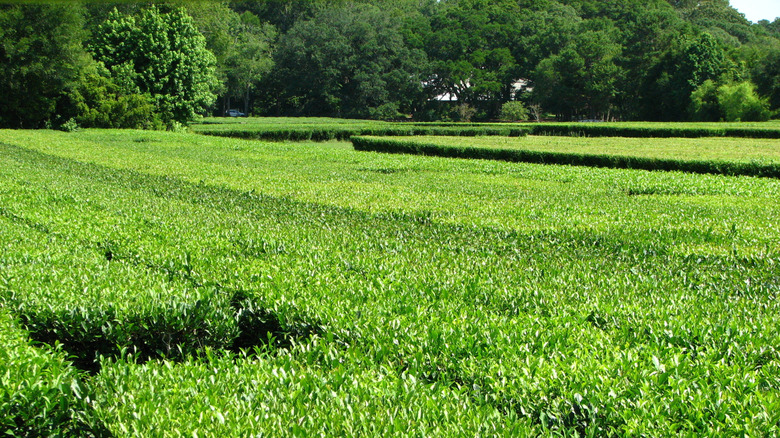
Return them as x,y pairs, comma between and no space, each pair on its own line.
760,157
439,296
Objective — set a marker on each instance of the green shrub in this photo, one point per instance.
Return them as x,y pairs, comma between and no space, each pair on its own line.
464,112
70,126
514,111
99,102
740,102
704,105
387,111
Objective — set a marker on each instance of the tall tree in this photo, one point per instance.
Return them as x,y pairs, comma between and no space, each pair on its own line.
40,57
251,58
667,91
582,79
766,75
160,54
348,61
470,48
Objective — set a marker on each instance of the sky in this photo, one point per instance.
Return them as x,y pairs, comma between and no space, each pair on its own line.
756,10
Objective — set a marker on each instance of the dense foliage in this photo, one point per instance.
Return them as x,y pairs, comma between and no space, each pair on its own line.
388,59
397,295
161,55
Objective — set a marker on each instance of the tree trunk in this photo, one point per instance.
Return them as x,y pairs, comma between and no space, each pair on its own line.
246,102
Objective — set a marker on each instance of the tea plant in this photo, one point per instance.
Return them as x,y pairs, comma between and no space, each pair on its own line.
536,300
720,156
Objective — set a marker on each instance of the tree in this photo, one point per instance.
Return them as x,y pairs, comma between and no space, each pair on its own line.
220,26
704,105
766,75
96,101
470,50
347,61
160,54
719,19
40,57
514,111
251,59
582,79
694,60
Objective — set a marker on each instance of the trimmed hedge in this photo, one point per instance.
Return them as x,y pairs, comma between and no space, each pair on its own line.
340,133
391,145
599,130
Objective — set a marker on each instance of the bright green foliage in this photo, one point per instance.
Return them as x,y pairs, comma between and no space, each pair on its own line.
514,111
98,102
160,54
731,157
40,393
733,102
739,102
565,300
319,392
92,304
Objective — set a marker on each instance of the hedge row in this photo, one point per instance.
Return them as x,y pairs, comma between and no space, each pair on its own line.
390,145
600,130
341,133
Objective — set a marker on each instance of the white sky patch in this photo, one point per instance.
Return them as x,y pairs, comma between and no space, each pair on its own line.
757,10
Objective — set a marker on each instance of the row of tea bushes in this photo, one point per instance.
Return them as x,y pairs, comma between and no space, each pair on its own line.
322,129
92,304
338,132
656,130
452,149
316,391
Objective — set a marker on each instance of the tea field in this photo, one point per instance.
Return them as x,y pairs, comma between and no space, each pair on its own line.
322,129
164,284
730,155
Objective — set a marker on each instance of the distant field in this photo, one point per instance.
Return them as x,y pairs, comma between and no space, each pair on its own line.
773,124
311,128
238,287
323,129
708,155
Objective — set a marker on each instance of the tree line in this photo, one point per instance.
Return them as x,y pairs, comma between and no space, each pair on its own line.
162,64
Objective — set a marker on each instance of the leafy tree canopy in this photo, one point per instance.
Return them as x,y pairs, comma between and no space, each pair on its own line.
40,57
349,61
160,54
